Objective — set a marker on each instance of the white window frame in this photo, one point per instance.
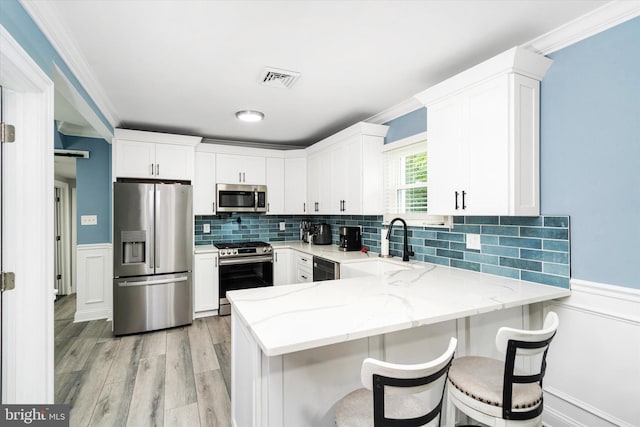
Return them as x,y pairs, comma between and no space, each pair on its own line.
416,219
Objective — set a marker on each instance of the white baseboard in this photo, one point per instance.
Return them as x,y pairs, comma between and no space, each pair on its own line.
206,313
593,373
94,283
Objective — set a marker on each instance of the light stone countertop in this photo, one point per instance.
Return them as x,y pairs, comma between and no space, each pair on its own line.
290,318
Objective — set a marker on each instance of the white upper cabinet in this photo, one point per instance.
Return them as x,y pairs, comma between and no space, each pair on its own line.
295,185
153,155
345,172
483,138
275,185
204,183
240,169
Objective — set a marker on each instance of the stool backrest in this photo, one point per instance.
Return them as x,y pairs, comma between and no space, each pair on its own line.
406,379
519,342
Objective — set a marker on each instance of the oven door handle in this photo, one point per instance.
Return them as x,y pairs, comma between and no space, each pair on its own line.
245,260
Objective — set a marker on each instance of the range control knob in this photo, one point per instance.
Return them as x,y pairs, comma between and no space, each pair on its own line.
223,252
235,252
270,249
264,249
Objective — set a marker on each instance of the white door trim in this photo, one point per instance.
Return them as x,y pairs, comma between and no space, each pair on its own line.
27,315
65,236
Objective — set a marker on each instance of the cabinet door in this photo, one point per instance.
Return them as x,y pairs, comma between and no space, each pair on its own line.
295,186
174,161
283,267
204,184
487,150
135,159
320,182
346,163
238,169
275,185
206,293
445,159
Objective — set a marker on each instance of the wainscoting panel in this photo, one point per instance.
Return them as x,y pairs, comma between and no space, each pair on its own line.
94,286
593,374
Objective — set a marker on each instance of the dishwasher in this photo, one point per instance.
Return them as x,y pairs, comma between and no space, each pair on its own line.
323,269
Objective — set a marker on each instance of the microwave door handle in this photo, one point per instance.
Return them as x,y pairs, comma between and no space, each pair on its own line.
255,200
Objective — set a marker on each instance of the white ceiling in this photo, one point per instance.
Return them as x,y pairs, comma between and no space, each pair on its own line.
188,66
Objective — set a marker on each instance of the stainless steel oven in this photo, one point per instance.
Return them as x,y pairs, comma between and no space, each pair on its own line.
243,266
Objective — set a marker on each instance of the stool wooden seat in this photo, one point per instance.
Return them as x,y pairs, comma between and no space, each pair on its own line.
496,392
396,394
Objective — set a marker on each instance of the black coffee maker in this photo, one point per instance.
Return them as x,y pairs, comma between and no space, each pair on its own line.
350,239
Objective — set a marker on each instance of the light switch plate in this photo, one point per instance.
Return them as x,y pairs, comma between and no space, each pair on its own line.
473,241
206,228
283,226
88,219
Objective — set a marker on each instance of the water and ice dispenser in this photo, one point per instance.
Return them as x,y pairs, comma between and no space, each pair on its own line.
134,245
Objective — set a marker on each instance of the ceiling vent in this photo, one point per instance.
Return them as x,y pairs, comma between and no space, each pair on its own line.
275,77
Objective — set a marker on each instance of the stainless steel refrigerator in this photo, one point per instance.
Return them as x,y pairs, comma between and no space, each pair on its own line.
152,261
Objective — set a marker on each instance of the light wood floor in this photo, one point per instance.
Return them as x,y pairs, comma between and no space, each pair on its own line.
175,377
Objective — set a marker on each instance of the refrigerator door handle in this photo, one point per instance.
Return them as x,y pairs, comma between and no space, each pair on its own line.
153,282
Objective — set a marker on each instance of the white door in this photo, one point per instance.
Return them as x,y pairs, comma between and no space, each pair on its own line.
27,227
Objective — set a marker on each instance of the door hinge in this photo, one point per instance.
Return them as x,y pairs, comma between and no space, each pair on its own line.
7,281
7,133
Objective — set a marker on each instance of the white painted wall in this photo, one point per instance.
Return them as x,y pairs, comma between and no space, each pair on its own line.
94,282
593,373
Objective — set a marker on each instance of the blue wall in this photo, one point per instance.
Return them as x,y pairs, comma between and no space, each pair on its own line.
93,186
22,28
409,124
590,152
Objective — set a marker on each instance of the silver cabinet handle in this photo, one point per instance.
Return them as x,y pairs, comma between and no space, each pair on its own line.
304,207
276,256
213,207
239,176
157,169
268,207
216,262
151,168
244,178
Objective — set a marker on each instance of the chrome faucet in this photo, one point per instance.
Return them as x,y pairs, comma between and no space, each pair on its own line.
406,253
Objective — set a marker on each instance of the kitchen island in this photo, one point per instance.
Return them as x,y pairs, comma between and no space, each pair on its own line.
297,349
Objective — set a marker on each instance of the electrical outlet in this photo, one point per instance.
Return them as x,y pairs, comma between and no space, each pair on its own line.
283,226
473,241
206,228
88,219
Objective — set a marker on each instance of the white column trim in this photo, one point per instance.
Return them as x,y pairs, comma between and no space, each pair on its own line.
94,283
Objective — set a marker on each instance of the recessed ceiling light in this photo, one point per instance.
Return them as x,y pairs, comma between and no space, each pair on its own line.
250,115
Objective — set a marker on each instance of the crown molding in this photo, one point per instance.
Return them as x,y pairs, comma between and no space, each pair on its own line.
405,107
594,22
45,18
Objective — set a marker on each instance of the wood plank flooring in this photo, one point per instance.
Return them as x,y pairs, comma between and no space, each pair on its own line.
175,377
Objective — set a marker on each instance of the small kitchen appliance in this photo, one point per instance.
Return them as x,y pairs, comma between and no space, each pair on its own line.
350,239
322,234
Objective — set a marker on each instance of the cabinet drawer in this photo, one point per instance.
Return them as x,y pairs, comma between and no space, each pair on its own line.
303,260
304,275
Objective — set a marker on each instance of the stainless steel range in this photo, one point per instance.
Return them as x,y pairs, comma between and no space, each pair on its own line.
243,265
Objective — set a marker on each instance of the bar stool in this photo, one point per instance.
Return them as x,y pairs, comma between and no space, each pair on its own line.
398,405
495,392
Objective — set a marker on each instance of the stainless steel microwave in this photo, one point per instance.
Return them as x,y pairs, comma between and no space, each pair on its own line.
241,198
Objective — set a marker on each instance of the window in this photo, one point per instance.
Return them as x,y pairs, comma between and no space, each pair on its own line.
406,183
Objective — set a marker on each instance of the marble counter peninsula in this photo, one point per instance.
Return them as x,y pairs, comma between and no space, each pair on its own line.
297,349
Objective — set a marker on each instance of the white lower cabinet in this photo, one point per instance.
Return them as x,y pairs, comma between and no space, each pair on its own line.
283,267
205,283
303,267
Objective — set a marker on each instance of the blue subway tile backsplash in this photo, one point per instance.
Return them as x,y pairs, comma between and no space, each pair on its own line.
528,248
